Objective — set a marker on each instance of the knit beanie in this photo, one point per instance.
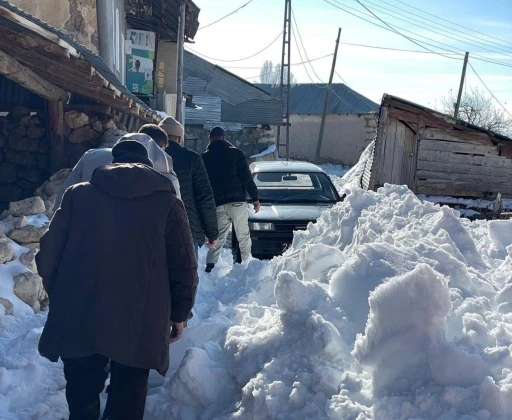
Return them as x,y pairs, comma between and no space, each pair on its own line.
172,127
129,151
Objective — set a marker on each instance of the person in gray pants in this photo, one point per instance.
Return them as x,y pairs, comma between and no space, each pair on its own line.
231,181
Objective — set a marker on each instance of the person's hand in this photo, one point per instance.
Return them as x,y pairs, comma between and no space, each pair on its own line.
177,331
257,206
212,243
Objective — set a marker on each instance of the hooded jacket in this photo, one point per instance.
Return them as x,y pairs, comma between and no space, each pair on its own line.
115,283
95,158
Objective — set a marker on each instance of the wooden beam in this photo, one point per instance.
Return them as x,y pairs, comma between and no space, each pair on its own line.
17,72
474,137
461,168
57,140
455,147
488,161
451,192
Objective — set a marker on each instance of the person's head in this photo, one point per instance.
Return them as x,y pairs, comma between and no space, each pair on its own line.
174,129
217,133
129,151
158,135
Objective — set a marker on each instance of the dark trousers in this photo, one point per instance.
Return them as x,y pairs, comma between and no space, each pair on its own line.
86,380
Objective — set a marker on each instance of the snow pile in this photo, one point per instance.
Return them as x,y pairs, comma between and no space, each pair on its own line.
387,308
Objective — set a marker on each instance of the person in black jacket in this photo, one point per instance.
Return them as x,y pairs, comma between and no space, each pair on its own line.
231,181
196,192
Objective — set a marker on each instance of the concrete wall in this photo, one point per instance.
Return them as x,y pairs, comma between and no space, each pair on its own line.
345,137
77,17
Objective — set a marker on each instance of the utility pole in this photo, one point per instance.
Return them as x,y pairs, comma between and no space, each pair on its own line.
462,79
181,44
285,63
327,97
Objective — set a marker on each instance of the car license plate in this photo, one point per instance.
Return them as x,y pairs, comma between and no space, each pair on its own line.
285,247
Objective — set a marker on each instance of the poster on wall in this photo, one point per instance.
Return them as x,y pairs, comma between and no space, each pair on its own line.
140,61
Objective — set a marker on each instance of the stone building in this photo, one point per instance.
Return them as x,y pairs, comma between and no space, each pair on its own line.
351,122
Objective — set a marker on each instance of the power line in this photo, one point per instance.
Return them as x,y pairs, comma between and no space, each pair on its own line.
304,48
224,17
401,34
239,59
420,24
300,55
452,23
294,64
452,30
342,79
489,90
415,39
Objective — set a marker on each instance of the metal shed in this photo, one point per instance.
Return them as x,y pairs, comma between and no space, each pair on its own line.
435,154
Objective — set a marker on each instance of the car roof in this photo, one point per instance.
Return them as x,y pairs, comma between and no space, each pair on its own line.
284,166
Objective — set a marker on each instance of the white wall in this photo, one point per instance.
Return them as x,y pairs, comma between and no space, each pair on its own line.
345,137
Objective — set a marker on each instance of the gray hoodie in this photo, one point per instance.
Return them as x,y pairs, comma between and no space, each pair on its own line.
95,158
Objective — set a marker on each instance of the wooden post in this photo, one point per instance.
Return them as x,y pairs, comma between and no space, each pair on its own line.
58,157
327,97
463,77
181,43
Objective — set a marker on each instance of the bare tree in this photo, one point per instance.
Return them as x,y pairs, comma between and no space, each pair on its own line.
271,74
478,109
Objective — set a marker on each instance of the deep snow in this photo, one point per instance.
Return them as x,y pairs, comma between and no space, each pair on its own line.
387,308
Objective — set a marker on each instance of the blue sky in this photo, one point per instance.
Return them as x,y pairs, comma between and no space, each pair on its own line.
419,77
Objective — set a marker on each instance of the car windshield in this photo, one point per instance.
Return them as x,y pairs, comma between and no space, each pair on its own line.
295,187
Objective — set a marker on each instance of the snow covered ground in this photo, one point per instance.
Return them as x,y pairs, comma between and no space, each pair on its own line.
388,308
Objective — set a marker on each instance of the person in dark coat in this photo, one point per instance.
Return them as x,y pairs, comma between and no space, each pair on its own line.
231,181
119,268
196,192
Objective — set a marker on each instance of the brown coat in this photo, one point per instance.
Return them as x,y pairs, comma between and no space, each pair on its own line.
118,264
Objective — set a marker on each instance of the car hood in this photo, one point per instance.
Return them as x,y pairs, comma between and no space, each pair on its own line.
288,212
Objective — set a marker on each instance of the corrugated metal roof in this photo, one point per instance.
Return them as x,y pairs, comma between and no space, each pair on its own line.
94,59
210,110
308,98
242,102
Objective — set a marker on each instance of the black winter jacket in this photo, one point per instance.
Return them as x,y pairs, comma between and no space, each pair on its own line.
229,173
196,192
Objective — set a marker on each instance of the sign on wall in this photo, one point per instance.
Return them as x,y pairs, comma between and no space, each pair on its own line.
140,61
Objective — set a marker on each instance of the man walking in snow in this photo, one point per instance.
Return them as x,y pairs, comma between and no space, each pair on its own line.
119,267
231,181
196,192
95,158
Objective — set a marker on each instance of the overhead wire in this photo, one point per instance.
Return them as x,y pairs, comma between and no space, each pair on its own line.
303,47
293,64
441,26
489,90
414,40
226,16
452,23
239,59
421,25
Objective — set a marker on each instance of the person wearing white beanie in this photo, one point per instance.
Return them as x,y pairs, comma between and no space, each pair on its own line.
174,130
196,191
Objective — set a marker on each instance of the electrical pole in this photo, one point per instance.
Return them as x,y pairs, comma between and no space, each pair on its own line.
463,77
285,63
181,44
327,97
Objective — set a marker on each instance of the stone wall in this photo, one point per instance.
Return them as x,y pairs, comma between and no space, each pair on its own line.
25,154
24,161
251,140
76,17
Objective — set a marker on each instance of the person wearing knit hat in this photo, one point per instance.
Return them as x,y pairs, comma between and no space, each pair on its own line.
130,151
174,129
195,188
